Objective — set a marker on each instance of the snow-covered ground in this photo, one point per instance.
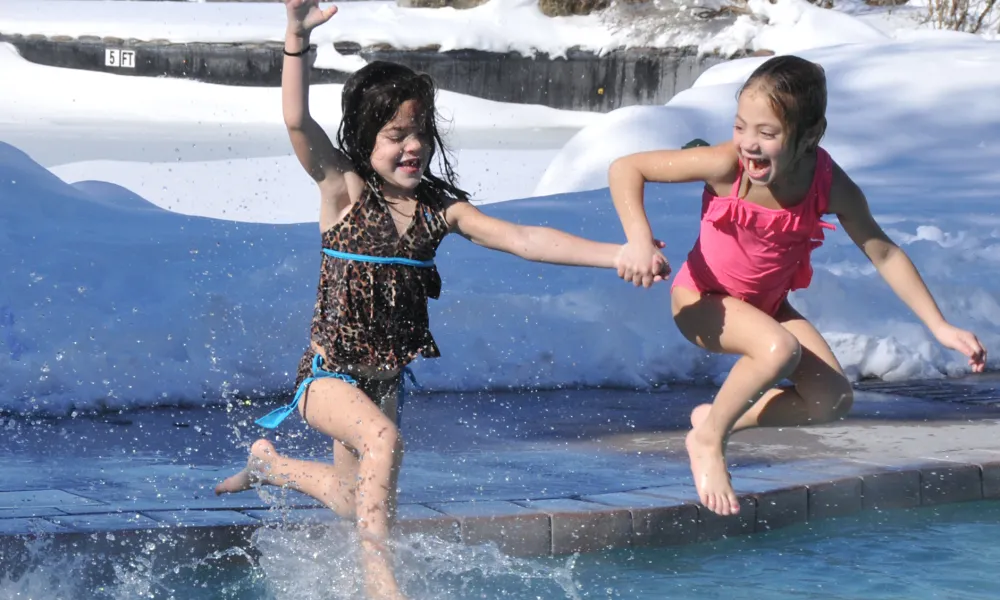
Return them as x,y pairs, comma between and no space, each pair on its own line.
498,25
160,243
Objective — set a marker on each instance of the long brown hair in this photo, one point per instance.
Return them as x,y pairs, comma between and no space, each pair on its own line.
371,97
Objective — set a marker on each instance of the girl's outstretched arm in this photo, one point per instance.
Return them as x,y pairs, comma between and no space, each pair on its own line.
538,244
848,202
312,146
627,178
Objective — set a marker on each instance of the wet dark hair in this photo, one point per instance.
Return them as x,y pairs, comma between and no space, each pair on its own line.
371,98
796,89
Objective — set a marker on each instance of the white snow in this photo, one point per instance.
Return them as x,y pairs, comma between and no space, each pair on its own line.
160,242
497,25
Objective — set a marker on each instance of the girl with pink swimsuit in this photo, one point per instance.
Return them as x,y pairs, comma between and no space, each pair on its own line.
766,192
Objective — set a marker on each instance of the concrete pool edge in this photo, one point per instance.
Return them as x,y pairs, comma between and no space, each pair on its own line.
772,497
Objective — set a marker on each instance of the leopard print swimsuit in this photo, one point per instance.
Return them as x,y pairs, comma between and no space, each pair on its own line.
370,318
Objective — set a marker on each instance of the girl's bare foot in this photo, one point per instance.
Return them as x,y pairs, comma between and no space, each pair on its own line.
708,467
261,454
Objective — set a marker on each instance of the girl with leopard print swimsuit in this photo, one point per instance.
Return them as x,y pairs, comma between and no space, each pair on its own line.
371,318
383,214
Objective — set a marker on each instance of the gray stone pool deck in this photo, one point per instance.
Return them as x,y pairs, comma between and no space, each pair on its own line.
537,474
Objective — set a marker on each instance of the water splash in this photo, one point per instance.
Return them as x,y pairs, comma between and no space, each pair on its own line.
434,568
121,567
322,562
315,562
146,576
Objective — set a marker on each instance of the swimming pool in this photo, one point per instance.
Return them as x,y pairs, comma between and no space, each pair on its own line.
919,554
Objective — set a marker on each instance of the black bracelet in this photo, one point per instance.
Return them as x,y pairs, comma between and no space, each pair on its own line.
305,50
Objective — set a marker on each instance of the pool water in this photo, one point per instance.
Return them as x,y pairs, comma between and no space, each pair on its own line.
948,552
920,554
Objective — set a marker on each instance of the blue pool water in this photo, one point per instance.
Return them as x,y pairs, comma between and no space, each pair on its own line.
928,553
949,552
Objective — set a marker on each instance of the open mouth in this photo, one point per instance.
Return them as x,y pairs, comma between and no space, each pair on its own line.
757,168
410,166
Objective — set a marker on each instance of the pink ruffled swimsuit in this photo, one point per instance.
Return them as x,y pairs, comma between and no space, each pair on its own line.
758,254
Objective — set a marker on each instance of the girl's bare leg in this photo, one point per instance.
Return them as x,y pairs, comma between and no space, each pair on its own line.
321,481
345,459
769,354
821,393
347,415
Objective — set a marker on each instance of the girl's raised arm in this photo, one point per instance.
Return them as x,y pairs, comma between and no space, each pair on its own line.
311,144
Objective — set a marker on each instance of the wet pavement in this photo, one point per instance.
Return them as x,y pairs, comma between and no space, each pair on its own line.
502,455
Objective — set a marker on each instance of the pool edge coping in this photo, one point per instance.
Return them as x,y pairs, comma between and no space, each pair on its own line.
771,497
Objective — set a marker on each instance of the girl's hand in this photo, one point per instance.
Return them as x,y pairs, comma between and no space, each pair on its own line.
306,15
965,342
642,264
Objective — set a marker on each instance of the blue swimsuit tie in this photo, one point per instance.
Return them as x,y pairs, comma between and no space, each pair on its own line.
274,418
